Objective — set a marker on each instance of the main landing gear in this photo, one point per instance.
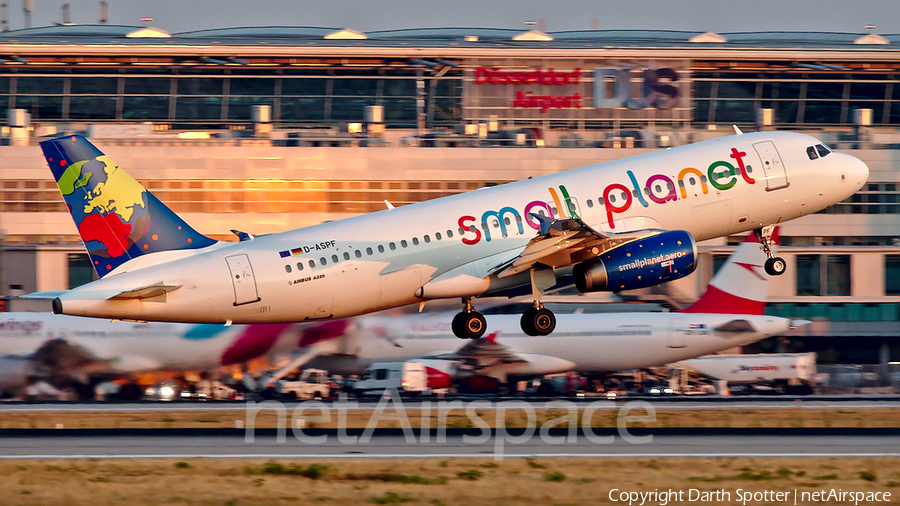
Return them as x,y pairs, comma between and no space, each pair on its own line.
775,266
468,324
537,320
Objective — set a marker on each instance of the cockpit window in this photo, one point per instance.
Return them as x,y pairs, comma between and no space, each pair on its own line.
811,153
822,149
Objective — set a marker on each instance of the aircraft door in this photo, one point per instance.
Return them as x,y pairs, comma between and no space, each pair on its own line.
771,162
675,336
243,280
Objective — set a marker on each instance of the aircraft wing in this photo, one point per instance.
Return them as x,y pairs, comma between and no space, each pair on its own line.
564,242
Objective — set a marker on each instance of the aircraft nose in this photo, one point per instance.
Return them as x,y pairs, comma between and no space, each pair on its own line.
857,171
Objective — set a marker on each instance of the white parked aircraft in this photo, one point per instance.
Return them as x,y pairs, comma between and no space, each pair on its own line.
729,314
67,349
620,225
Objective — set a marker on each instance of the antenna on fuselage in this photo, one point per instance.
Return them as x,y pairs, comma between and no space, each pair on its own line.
737,131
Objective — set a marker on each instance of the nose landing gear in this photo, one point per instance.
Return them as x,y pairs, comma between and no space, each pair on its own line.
468,324
775,266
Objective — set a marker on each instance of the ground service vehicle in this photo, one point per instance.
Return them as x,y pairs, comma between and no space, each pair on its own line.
312,384
760,373
407,377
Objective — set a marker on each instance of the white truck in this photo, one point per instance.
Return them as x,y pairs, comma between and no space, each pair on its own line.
790,373
312,384
407,377
211,389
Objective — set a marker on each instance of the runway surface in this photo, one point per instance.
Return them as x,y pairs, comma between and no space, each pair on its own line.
396,446
677,403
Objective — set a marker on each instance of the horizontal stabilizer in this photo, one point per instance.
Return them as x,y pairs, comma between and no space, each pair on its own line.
795,324
48,295
146,292
737,326
243,236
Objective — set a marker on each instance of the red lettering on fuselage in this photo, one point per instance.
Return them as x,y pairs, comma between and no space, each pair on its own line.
739,157
462,223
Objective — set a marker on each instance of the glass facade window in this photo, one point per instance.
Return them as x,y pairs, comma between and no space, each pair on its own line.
198,108
39,85
718,261
200,86
827,275
148,86
808,275
92,108
892,274
252,86
41,107
80,269
94,86
145,108
205,95
303,86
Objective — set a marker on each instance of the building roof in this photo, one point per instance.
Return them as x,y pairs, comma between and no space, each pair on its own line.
298,40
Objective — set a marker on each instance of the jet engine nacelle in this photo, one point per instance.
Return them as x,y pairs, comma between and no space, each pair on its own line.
639,264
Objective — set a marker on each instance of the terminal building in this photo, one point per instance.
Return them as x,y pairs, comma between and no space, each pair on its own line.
270,128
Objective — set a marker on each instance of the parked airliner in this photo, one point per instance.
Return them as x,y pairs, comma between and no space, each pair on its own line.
619,225
728,315
67,350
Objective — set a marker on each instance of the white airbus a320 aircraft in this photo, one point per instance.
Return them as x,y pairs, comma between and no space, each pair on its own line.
620,225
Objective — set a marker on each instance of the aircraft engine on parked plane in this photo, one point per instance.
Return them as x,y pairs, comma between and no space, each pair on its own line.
638,264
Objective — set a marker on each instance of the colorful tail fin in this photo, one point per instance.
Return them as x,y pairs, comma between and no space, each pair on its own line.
117,217
740,285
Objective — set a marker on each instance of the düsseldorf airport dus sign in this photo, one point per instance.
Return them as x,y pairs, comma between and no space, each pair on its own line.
656,89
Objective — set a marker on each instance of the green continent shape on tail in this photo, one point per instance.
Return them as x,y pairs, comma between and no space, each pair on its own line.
120,193
72,178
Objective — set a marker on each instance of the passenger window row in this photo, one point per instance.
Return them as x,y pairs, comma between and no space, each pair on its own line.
369,251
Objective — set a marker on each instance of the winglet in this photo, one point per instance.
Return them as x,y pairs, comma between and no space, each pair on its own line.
545,221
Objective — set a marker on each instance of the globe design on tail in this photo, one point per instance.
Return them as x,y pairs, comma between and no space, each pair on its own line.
117,218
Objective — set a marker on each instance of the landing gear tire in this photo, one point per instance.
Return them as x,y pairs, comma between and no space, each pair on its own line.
775,266
469,325
538,321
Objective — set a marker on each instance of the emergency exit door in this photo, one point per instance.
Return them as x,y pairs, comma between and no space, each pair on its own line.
243,280
776,177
